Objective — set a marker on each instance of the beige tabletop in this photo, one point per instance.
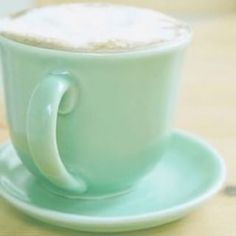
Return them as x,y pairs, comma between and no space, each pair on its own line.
206,107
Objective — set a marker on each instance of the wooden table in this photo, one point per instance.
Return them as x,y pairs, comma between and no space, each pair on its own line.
206,107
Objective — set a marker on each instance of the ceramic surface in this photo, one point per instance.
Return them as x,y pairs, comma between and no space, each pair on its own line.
88,122
189,174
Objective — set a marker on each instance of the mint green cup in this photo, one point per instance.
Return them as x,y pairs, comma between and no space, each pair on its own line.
90,124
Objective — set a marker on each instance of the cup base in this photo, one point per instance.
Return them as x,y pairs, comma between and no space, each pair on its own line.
84,196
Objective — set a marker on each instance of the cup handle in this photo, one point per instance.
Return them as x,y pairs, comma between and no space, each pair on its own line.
54,95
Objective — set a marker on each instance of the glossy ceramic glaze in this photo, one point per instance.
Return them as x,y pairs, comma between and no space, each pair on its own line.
189,173
90,123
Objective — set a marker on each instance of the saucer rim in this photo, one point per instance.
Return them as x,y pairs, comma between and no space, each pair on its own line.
181,209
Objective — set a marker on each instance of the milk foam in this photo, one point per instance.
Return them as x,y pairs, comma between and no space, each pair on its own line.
92,27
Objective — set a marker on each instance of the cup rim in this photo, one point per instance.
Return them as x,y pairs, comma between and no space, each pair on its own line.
154,48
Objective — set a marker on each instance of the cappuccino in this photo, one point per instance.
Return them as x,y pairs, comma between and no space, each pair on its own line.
93,27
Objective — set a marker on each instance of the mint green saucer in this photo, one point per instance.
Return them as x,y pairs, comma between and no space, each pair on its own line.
188,175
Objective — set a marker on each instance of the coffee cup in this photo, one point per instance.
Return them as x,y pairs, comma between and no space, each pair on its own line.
90,124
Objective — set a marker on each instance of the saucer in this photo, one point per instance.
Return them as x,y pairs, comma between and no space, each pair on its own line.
189,174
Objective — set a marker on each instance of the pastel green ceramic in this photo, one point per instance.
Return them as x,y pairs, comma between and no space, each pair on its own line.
91,123
189,173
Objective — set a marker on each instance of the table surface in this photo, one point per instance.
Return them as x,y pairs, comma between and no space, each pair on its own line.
206,107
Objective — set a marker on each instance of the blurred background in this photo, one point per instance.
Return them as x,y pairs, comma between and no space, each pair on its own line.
179,7
207,98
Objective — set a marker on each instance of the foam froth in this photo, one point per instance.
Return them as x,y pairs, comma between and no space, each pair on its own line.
92,27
